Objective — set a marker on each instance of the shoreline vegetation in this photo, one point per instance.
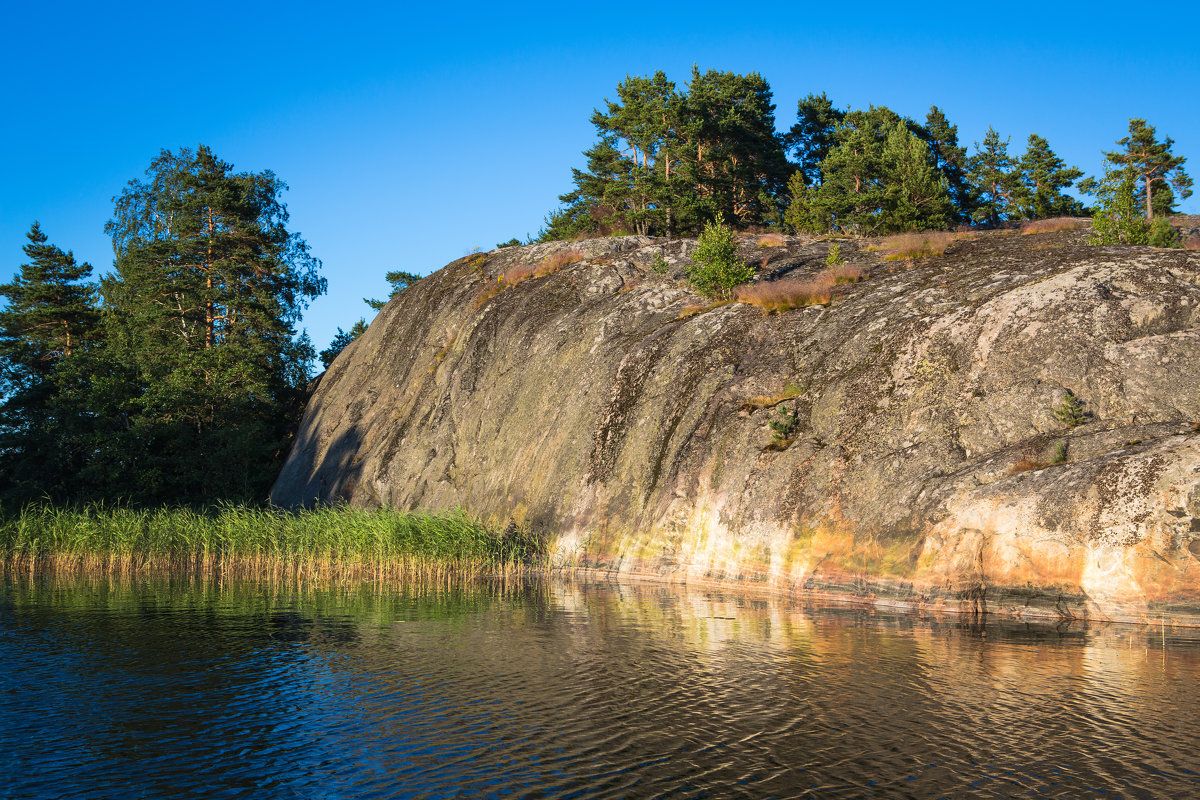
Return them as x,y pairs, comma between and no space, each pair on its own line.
244,541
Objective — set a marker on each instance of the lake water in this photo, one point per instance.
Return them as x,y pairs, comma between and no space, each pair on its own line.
562,689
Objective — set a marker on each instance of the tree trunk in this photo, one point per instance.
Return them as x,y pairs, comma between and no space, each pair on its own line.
208,283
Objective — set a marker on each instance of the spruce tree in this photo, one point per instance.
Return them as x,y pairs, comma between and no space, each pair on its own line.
1043,177
915,191
48,320
951,161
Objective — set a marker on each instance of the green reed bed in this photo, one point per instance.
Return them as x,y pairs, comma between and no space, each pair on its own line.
316,543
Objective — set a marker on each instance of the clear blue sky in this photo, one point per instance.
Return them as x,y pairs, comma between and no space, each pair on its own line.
410,135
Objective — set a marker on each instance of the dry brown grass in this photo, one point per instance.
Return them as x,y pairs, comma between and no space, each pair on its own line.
789,293
1026,464
907,246
847,273
1053,225
756,402
523,272
486,293
691,311
548,265
771,240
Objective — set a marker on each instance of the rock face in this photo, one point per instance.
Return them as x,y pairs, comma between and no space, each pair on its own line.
928,467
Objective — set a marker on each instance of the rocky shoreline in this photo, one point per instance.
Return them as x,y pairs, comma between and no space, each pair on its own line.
932,462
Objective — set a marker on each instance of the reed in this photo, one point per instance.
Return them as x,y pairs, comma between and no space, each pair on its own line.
326,542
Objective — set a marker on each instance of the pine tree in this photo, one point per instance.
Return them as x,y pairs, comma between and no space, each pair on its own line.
879,177
49,318
1043,177
850,195
916,193
1158,170
665,161
995,180
813,135
951,161
734,158
341,341
203,367
399,281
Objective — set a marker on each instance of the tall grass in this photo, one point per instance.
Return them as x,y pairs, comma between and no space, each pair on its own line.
523,272
755,402
788,293
548,265
906,246
240,540
1052,225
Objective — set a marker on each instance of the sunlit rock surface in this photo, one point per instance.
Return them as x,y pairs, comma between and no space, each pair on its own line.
597,405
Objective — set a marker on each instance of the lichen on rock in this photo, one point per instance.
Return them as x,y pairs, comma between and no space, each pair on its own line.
607,405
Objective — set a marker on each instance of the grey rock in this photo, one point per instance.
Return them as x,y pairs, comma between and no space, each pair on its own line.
606,406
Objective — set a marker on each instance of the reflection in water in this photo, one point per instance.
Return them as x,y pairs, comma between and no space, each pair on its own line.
571,690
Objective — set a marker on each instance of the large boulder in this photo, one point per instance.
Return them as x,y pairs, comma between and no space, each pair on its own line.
933,463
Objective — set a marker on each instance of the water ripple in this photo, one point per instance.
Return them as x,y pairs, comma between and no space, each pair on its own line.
571,691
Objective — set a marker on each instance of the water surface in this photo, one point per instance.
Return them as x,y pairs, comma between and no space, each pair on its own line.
185,688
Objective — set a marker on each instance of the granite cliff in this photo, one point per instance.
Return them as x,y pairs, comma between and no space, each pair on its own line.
603,404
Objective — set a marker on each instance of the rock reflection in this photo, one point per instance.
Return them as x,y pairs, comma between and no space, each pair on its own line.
558,688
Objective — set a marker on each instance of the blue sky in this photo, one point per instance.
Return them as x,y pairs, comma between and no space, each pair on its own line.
409,136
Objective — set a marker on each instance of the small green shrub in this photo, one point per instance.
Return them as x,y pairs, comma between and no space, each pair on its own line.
660,265
834,257
1163,235
1118,219
1070,411
717,267
783,426
1058,454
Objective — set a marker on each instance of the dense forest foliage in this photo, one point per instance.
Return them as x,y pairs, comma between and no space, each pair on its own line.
667,161
177,377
